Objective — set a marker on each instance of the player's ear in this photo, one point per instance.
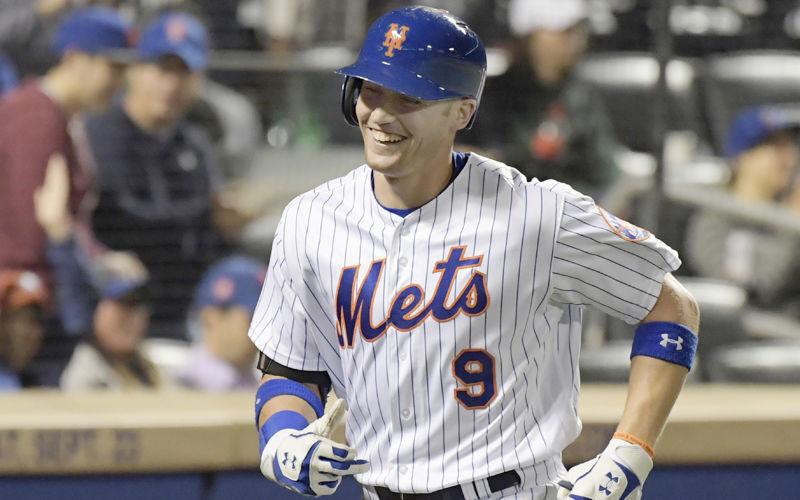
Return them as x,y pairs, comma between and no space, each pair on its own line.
465,108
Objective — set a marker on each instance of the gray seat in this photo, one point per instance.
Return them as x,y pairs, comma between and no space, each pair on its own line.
628,81
735,81
609,363
722,306
756,362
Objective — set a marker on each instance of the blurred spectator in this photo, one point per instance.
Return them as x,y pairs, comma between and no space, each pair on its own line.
222,358
8,75
110,356
28,26
537,116
34,125
22,298
763,153
157,178
103,299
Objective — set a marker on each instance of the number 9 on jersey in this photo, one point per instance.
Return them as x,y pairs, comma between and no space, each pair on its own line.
474,371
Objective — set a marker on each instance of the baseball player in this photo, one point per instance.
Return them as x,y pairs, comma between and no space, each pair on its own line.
440,294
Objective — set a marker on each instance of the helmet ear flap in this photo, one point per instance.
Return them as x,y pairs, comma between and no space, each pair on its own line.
350,90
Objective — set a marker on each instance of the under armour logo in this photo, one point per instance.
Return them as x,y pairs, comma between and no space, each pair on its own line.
611,483
286,460
666,341
395,36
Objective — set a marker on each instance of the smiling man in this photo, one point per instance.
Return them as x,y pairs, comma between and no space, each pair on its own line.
440,294
157,174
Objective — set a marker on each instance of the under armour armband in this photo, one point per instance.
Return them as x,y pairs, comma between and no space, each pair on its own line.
286,419
671,342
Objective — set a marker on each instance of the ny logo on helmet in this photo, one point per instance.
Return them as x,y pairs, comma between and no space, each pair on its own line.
395,36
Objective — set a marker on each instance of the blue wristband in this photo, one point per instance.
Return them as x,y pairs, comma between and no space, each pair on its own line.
671,342
286,387
286,419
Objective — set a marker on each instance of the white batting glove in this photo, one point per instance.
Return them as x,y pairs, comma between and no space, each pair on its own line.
307,461
616,474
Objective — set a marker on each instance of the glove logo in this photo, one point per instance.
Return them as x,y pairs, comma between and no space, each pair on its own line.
611,483
286,460
666,341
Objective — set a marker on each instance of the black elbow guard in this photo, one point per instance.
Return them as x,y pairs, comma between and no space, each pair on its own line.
271,367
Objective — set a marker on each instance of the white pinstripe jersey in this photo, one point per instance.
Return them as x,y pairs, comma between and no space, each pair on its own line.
453,332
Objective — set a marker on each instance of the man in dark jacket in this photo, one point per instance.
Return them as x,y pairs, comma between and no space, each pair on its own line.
541,118
156,174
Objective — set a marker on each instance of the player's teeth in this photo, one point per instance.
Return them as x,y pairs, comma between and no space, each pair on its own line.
384,137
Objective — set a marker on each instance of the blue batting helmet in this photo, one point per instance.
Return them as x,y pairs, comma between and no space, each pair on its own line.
421,52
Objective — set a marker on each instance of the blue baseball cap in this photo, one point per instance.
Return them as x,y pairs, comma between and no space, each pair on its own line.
755,125
94,30
119,276
233,281
122,288
177,34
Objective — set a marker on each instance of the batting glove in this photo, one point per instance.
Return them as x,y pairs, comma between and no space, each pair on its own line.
616,474
306,461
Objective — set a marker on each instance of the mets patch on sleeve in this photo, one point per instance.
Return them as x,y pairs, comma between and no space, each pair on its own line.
622,228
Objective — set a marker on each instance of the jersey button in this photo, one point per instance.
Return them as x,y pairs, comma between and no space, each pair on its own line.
405,232
402,261
403,469
405,414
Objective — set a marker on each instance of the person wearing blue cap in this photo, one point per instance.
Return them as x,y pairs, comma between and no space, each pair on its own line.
762,150
91,44
110,355
156,173
222,357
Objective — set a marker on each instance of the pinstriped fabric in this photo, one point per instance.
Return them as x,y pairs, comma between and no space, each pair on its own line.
594,265
545,251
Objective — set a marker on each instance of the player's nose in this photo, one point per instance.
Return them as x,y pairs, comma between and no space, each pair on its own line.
382,115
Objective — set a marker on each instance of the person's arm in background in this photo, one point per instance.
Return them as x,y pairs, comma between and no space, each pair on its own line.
229,212
73,291
654,384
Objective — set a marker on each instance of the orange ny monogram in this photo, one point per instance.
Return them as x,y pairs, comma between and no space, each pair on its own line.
395,36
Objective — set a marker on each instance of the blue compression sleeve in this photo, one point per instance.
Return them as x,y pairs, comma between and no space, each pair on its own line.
286,419
285,387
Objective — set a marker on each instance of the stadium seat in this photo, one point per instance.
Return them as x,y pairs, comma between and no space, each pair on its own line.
170,356
738,80
757,362
628,82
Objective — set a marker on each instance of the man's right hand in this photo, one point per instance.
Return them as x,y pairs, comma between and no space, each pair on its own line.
307,461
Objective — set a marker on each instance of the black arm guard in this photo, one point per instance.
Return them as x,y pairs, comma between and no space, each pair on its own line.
271,367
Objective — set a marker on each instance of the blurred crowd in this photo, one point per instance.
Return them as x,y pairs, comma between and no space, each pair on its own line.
122,204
